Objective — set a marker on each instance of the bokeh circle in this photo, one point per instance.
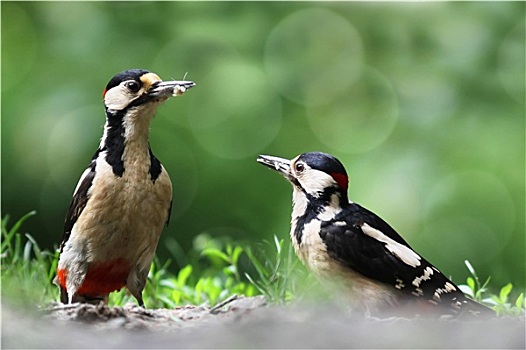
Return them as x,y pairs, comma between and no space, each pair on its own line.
359,120
313,55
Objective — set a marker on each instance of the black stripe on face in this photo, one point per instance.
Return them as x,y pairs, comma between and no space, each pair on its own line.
141,100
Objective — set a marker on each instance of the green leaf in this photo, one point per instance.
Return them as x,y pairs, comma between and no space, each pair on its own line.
470,267
260,268
53,266
184,274
471,284
496,299
504,292
278,243
213,252
236,254
177,296
520,301
229,271
483,288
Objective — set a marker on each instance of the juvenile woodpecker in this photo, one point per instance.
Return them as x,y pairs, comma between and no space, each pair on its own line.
122,200
341,241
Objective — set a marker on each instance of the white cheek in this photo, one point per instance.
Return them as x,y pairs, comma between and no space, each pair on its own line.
117,98
315,181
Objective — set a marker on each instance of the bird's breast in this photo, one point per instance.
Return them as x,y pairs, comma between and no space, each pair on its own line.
305,235
361,292
312,251
124,216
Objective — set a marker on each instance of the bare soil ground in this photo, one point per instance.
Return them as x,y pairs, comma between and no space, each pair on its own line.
245,323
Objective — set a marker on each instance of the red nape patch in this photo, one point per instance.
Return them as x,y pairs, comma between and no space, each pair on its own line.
104,93
341,179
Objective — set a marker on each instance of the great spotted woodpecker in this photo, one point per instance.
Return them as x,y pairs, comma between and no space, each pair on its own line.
340,240
123,198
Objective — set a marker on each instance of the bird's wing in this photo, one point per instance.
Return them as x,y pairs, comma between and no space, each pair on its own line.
367,216
364,242
80,198
348,244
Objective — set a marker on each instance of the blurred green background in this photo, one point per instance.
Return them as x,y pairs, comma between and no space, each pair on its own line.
423,103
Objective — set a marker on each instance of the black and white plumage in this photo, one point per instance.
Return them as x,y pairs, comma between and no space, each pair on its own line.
122,200
340,240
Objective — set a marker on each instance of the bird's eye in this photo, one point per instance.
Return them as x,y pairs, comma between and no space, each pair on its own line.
132,85
299,167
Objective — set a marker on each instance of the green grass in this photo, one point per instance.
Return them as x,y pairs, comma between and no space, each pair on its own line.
500,302
215,271
27,271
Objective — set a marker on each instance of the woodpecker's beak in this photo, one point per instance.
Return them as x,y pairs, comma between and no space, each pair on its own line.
165,89
280,165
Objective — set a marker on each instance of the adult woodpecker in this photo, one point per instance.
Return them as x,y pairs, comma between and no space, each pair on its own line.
340,240
122,200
